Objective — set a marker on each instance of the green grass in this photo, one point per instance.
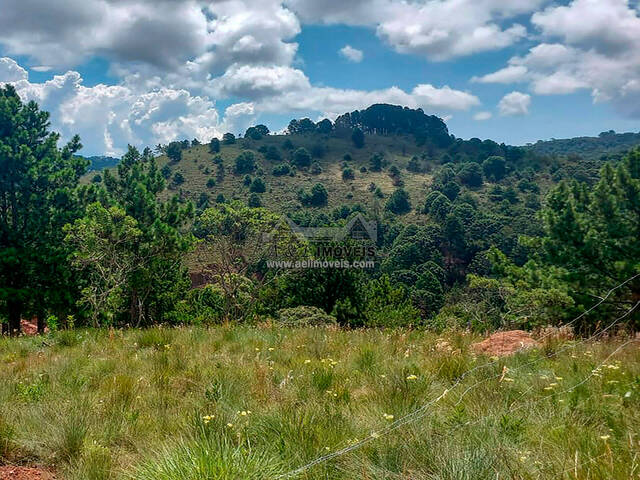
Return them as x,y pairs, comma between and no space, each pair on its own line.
252,403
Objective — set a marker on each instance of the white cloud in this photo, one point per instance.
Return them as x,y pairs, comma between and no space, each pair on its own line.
510,74
481,116
514,103
42,68
351,54
10,71
437,29
587,44
108,117
259,81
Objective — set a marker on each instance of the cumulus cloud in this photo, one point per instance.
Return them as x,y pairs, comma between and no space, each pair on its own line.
351,54
587,44
108,117
437,29
514,103
481,116
510,74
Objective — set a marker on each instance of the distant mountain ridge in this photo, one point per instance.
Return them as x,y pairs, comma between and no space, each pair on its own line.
590,148
100,162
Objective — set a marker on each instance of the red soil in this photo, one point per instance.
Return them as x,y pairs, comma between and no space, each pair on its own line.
24,473
505,343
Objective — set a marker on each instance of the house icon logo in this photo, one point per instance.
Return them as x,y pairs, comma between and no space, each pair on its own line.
357,228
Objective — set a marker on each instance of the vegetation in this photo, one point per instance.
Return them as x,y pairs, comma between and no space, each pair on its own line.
248,402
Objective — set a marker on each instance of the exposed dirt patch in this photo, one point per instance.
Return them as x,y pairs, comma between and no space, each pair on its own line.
24,473
505,343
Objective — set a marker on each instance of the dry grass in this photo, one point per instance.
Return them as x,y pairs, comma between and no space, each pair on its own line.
239,403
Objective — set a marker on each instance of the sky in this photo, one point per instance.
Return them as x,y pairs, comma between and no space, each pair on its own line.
144,72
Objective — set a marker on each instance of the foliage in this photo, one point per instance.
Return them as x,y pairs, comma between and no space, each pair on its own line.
245,162
304,316
38,184
399,202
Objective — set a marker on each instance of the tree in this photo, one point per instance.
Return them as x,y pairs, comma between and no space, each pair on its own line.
214,145
357,137
301,157
257,132
38,195
324,126
257,186
159,277
414,164
174,151
302,126
471,174
228,139
245,162
375,162
399,202
593,232
319,195
348,174
103,244
254,200
494,167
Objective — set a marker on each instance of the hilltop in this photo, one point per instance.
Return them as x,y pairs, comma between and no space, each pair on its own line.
400,148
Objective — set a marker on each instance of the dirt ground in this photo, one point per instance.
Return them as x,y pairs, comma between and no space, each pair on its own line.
24,473
505,343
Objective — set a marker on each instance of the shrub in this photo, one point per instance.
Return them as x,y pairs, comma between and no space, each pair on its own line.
211,183
228,139
96,179
301,157
316,169
214,145
254,200
258,186
399,202
281,170
178,178
348,174
471,175
357,137
245,162
305,316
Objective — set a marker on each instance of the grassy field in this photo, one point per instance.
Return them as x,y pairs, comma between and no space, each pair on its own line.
253,403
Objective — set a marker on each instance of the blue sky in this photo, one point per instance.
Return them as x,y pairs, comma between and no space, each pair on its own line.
145,72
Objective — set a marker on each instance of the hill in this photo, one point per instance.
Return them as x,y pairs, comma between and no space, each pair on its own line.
101,162
606,144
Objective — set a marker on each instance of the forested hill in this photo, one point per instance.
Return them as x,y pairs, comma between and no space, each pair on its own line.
364,157
607,143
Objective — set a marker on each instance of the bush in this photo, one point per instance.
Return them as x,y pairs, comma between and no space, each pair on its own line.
228,139
471,174
301,157
399,202
316,169
178,178
348,174
211,183
214,145
258,186
305,317
254,200
357,137
281,170
245,162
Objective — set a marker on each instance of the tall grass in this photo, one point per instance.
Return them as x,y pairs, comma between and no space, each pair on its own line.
252,403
